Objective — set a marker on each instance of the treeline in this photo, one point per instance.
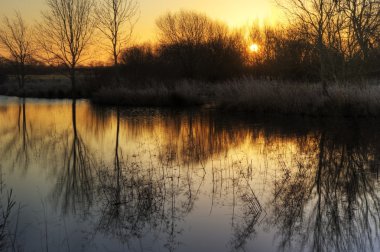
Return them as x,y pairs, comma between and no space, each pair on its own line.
343,36
325,41
191,45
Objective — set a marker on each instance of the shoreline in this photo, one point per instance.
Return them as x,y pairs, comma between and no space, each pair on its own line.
254,97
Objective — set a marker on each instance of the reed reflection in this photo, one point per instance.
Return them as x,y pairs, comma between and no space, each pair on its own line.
138,195
156,188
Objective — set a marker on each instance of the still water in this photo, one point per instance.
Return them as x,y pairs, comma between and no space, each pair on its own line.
85,178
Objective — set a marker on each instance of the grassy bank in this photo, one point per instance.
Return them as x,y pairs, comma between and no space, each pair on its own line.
248,95
259,97
43,86
182,93
343,99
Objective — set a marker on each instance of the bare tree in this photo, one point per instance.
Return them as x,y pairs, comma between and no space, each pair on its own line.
364,18
184,27
15,38
192,42
314,18
266,37
116,20
65,33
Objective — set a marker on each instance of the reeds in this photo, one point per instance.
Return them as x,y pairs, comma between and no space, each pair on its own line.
352,99
255,96
272,97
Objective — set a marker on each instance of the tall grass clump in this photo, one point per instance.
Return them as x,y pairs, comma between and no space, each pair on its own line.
343,99
49,86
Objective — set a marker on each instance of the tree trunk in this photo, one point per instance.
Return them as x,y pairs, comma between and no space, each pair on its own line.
20,72
116,67
115,59
73,82
322,65
74,118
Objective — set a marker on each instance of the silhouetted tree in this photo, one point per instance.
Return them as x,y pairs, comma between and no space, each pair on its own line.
315,19
65,33
116,20
364,19
15,38
198,46
141,62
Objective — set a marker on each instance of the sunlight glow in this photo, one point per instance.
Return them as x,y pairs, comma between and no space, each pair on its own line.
254,48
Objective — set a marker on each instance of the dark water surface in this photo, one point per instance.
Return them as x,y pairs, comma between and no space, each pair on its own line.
101,179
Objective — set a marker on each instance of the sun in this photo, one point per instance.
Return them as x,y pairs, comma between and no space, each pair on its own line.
254,48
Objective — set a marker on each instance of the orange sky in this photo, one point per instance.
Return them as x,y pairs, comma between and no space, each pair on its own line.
233,12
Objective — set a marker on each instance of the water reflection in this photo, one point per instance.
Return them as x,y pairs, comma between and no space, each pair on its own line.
171,180
331,199
16,138
137,196
74,187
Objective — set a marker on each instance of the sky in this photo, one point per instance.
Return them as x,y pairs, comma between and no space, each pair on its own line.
235,13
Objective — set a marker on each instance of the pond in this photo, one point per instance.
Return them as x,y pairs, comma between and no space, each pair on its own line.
88,178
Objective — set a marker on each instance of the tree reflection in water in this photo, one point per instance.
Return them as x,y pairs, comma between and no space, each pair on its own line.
327,191
139,196
16,138
314,186
22,141
74,189
251,209
330,198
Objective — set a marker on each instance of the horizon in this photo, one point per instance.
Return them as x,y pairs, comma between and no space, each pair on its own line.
239,14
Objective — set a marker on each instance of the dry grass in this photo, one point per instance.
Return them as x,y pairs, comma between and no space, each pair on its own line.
344,99
38,88
183,93
44,86
259,97
246,94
